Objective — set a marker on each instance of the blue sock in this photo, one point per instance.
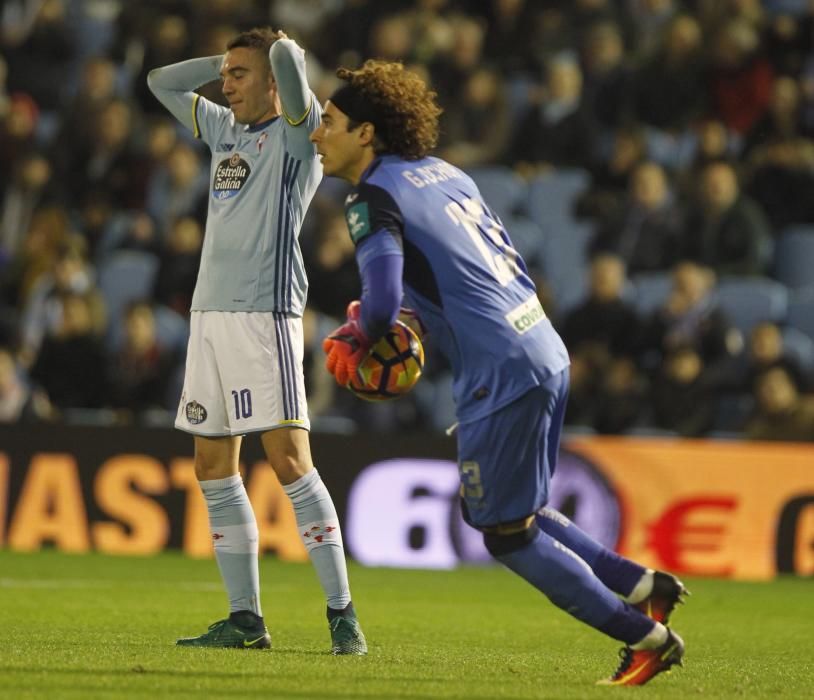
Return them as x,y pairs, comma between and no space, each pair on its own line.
569,583
617,573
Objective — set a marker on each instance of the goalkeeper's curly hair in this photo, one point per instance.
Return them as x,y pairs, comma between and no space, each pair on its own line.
404,101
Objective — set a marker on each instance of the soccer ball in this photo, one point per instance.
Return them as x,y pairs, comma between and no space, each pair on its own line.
391,368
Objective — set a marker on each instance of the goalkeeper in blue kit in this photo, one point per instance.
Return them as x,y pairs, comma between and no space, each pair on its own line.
424,234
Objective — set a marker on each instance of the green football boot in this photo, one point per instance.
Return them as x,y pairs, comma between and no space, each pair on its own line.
346,633
231,635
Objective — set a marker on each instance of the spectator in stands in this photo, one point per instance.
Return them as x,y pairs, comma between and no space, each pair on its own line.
139,371
601,330
766,351
725,229
690,318
31,187
178,188
18,127
69,366
683,393
666,94
556,130
97,88
713,143
608,78
40,56
332,271
178,266
520,28
645,230
611,176
451,69
782,412
108,160
163,39
475,127
621,400
781,179
43,311
18,402
781,121
740,78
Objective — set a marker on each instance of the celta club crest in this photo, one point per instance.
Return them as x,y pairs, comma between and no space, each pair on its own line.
196,414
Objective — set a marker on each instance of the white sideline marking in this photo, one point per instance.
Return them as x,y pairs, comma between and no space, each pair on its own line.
50,583
95,583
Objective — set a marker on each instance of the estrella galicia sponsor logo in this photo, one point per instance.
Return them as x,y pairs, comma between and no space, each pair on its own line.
196,414
230,176
224,147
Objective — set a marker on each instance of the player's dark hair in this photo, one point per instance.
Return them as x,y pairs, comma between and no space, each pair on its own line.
260,38
406,118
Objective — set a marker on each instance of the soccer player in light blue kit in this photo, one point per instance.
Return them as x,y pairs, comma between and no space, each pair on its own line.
244,362
423,232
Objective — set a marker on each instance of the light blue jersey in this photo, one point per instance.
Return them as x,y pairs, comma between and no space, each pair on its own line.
262,179
469,286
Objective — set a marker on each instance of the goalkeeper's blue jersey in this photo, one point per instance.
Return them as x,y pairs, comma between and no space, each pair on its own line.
463,277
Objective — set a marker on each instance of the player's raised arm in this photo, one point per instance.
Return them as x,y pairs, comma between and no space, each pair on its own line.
174,86
296,99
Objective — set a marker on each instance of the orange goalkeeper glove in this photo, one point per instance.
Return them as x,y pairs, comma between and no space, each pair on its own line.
347,346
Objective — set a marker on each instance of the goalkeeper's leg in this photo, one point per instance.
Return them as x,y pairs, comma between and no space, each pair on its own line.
656,593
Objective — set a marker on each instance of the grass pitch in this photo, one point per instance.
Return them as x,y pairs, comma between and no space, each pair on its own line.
104,627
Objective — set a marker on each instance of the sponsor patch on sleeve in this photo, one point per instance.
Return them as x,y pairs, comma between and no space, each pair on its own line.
358,219
524,317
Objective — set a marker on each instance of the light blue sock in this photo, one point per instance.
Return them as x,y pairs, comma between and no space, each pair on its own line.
234,536
319,529
569,583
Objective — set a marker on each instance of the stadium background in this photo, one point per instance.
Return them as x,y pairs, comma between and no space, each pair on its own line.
653,160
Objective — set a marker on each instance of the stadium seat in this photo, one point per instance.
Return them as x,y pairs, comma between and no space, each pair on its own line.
125,276
800,347
801,311
794,257
650,291
552,196
748,301
565,264
171,329
502,189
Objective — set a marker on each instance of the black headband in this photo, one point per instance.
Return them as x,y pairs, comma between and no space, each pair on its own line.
352,103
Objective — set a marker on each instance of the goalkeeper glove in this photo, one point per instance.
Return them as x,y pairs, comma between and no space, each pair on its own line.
347,346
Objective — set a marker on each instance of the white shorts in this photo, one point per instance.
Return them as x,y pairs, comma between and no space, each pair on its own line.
243,374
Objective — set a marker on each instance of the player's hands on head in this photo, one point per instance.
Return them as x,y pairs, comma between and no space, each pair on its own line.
347,346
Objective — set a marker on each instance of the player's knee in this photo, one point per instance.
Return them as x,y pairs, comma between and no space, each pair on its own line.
499,545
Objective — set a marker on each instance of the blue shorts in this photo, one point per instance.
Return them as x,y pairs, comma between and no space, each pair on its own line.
506,460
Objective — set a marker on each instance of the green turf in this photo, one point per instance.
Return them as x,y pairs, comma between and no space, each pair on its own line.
104,627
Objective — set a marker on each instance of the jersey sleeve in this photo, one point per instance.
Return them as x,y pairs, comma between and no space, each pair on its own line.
301,109
369,210
174,86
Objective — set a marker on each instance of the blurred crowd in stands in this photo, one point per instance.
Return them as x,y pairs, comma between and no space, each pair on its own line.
653,160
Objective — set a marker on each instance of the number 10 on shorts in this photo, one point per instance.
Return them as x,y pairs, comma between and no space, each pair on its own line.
243,403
